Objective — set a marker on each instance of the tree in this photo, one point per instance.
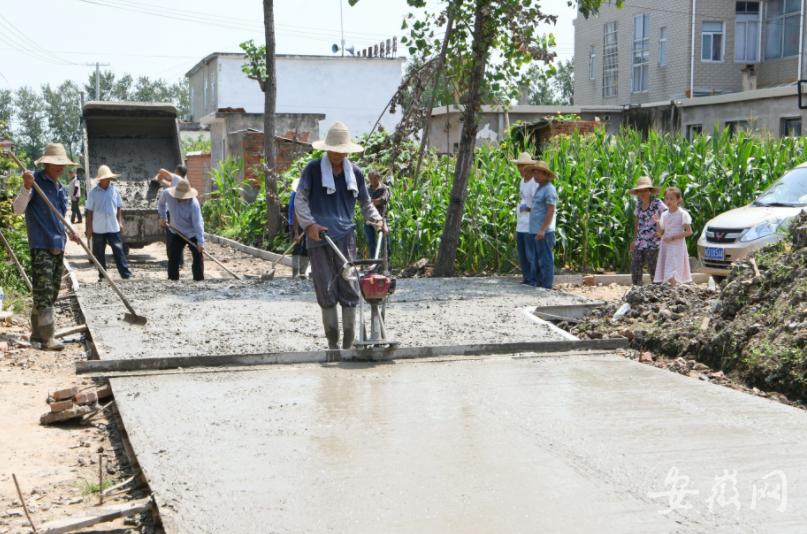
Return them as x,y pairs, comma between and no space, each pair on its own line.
538,87
6,110
63,113
260,66
564,82
504,29
181,97
30,121
148,90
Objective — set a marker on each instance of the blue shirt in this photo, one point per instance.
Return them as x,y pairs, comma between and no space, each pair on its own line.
545,196
186,216
291,209
104,205
45,230
162,207
336,211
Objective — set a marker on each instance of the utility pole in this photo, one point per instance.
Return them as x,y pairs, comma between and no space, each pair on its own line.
342,27
97,66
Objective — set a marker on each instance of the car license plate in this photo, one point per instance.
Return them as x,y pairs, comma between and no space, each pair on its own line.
714,253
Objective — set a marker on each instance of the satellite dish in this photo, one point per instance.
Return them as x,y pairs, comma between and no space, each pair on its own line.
351,50
335,48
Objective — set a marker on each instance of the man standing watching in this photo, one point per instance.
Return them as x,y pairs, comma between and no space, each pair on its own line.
379,194
105,221
75,196
542,223
525,241
46,239
325,202
186,217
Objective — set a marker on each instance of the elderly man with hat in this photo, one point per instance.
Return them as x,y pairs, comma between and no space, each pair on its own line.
525,241
325,202
105,221
186,218
543,217
46,239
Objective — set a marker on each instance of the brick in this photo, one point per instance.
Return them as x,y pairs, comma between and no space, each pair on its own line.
64,394
86,397
65,415
104,392
60,406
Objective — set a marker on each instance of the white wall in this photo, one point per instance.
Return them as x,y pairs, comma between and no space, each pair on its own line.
353,90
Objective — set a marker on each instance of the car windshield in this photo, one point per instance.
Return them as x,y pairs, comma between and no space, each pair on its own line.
789,190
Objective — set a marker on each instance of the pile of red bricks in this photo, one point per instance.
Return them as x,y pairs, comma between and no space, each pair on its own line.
70,403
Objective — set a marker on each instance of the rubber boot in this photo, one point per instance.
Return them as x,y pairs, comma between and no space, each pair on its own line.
47,328
348,326
295,266
330,320
36,336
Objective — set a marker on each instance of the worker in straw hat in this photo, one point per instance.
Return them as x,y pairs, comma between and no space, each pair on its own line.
105,221
645,245
525,241
325,201
46,239
186,217
543,217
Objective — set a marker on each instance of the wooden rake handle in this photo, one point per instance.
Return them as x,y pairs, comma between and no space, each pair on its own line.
203,251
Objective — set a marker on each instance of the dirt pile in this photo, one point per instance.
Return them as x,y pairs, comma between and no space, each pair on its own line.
754,327
138,194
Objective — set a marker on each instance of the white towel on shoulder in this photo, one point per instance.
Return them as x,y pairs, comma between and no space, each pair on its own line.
327,176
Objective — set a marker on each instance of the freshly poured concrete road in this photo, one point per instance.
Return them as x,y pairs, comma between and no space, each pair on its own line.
572,444
504,444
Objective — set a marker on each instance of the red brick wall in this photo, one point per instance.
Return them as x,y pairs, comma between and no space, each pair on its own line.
199,173
285,153
569,127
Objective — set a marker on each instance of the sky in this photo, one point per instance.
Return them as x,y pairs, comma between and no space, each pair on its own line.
49,41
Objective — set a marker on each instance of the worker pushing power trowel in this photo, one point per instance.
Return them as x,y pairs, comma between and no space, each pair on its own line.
324,204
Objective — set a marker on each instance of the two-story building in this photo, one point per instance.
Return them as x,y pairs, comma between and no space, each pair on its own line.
717,62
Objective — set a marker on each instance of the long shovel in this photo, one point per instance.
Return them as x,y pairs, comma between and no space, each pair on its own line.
132,316
206,253
271,274
20,268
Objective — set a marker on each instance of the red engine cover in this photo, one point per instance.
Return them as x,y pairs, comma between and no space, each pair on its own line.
374,286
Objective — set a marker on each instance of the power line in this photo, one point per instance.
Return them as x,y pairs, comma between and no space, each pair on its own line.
22,42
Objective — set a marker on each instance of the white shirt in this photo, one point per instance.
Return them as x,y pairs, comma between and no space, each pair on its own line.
104,205
528,190
686,218
75,188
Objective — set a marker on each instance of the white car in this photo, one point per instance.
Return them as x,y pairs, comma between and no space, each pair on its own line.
733,235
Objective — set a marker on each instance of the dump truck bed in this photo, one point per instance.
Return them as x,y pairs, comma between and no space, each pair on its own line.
135,140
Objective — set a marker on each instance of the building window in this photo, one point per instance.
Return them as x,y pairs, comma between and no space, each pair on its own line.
790,127
782,28
662,47
736,126
712,42
641,53
693,130
592,63
610,63
746,33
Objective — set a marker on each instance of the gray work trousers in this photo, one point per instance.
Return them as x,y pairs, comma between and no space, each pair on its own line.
330,287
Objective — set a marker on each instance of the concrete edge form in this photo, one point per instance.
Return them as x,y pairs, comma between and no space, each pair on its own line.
246,249
378,354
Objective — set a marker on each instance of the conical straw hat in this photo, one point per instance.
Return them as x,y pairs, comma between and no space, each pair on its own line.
183,190
55,154
338,140
524,159
644,182
105,173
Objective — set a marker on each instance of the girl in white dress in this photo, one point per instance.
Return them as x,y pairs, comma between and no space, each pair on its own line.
673,227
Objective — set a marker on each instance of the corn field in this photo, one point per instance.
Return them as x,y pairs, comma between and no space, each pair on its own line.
595,215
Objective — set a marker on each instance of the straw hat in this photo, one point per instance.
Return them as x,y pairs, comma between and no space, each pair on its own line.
524,159
338,140
105,173
544,167
55,154
183,190
644,182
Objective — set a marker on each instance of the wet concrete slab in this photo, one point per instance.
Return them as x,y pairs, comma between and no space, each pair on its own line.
506,444
232,317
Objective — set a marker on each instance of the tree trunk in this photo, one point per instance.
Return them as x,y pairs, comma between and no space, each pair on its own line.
273,225
449,242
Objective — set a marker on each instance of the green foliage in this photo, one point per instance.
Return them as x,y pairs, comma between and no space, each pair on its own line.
144,89
63,113
227,212
201,143
13,228
255,62
29,115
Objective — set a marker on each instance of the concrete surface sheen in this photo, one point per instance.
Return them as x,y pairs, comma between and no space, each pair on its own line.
231,317
573,444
